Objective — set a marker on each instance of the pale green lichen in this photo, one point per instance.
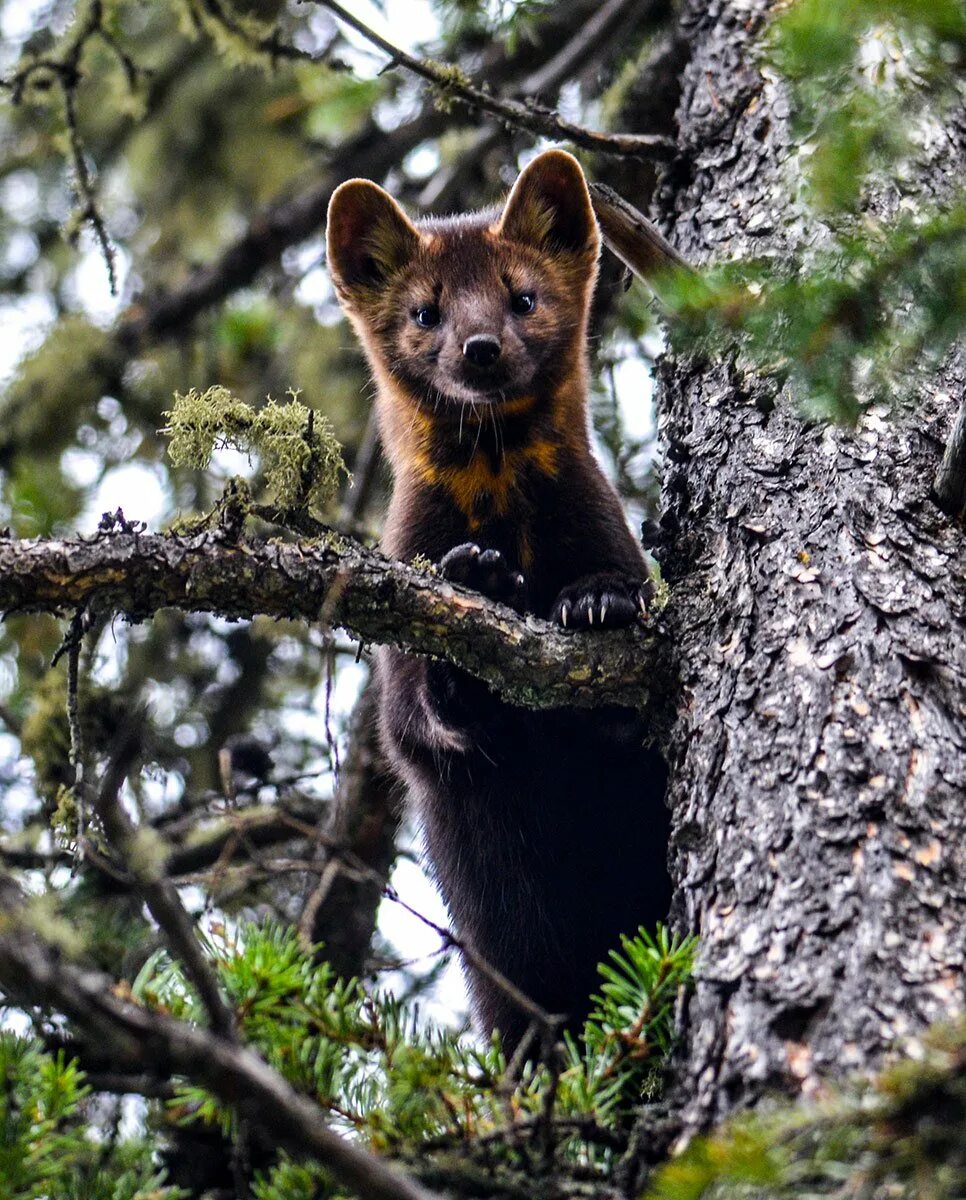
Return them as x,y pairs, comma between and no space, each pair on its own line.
332,540
147,854
241,37
299,454
662,594
41,915
447,77
45,738
229,514
64,819
419,562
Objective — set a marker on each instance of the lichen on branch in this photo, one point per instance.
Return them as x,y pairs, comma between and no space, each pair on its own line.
299,453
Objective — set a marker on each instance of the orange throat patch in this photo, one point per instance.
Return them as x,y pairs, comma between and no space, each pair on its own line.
480,488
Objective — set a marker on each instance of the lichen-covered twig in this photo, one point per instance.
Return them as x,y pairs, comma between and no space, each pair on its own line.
65,70
549,1023
300,456
74,726
592,41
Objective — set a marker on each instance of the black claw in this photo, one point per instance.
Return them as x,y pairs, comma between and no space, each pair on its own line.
605,601
485,571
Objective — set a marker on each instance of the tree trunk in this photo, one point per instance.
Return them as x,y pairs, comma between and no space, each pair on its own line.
819,753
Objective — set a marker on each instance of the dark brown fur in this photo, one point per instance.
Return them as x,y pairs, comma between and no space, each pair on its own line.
546,831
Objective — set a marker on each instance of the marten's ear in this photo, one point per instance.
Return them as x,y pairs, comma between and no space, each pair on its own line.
550,206
368,236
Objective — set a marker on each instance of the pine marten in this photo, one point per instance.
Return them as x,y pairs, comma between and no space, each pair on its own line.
546,830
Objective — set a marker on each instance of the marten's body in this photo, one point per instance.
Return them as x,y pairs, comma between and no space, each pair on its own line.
546,831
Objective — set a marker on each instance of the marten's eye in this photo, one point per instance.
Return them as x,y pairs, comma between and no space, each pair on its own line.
523,303
427,315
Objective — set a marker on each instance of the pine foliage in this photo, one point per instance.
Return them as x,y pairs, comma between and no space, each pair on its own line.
401,1085
46,1147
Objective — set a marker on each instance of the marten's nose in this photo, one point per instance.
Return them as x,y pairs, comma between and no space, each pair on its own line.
482,349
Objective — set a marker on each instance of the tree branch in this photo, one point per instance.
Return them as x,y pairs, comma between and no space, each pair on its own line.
32,972
589,44
146,861
454,84
335,582
282,224
236,835
291,220
636,241
593,35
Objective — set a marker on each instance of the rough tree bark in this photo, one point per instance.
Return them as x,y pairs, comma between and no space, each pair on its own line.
818,602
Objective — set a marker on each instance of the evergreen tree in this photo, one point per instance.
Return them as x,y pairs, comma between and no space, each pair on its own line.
196,835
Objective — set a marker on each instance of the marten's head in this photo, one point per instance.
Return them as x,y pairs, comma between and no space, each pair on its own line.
479,310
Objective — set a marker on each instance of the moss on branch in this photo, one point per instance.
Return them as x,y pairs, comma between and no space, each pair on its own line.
300,456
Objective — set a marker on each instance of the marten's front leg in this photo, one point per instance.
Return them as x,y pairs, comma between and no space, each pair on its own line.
434,711
461,700
485,571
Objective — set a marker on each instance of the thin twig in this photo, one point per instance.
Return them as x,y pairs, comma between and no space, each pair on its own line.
586,1127
328,873
593,36
549,1022
66,70
89,210
590,38
271,44
544,1129
454,85
146,861
76,736
364,816
241,833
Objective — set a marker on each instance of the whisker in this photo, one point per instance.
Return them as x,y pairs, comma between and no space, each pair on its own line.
479,428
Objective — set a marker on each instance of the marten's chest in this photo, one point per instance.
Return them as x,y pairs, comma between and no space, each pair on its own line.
498,498
482,487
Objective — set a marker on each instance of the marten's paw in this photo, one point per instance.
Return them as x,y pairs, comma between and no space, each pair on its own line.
485,571
605,601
